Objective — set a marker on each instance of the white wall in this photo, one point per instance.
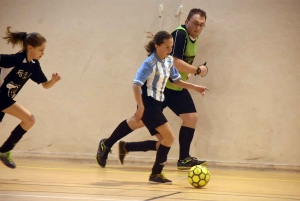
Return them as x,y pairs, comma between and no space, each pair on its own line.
251,115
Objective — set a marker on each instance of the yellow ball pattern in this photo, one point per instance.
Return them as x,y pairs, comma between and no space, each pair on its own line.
198,176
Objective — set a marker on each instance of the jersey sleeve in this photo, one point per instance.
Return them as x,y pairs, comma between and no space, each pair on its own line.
180,42
9,60
38,76
174,74
143,73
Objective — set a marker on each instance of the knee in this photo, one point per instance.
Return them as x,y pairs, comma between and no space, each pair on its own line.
157,144
133,124
190,118
30,120
169,139
172,139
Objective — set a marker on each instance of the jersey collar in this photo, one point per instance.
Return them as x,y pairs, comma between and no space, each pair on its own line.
25,58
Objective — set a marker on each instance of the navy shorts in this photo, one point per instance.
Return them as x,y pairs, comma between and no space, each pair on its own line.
153,116
5,102
180,102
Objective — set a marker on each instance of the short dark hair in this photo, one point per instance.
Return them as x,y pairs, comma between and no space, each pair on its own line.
196,11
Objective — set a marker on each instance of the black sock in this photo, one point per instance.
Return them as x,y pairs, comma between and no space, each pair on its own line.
121,131
141,146
186,135
13,139
161,158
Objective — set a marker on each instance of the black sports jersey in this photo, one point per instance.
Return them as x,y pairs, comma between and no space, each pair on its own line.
180,42
16,70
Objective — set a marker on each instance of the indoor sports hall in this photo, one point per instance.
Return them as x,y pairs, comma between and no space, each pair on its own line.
248,127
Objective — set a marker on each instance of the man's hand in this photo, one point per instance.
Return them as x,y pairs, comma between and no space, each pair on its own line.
201,89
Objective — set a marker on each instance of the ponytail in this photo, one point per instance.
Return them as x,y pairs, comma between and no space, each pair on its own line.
150,48
158,39
15,38
23,39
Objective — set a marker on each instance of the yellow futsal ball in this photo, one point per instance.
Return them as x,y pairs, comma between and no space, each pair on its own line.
198,176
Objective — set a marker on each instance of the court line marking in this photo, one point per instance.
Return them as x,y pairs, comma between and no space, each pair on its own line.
162,196
133,172
64,197
154,198
208,192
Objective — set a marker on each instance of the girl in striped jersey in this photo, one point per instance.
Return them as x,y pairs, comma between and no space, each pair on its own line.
16,70
151,79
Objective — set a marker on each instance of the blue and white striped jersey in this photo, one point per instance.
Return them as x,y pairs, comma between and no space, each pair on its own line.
155,73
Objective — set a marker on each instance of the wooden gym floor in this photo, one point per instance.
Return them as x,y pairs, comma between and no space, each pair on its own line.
61,180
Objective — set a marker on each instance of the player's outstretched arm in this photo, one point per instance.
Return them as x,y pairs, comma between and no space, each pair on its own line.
187,85
184,67
55,78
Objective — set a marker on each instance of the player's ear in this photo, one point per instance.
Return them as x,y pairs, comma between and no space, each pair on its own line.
186,21
29,48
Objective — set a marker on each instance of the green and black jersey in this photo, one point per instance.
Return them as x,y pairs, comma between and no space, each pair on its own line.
184,48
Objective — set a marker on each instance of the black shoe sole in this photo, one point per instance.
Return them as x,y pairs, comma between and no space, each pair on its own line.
154,182
99,161
9,166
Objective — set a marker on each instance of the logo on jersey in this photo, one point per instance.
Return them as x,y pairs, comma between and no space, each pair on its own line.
12,89
23,75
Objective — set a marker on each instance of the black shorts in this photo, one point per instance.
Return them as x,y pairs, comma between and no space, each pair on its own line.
5,102
180,102
153,116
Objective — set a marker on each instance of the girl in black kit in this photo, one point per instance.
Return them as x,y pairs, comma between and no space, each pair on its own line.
16,69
